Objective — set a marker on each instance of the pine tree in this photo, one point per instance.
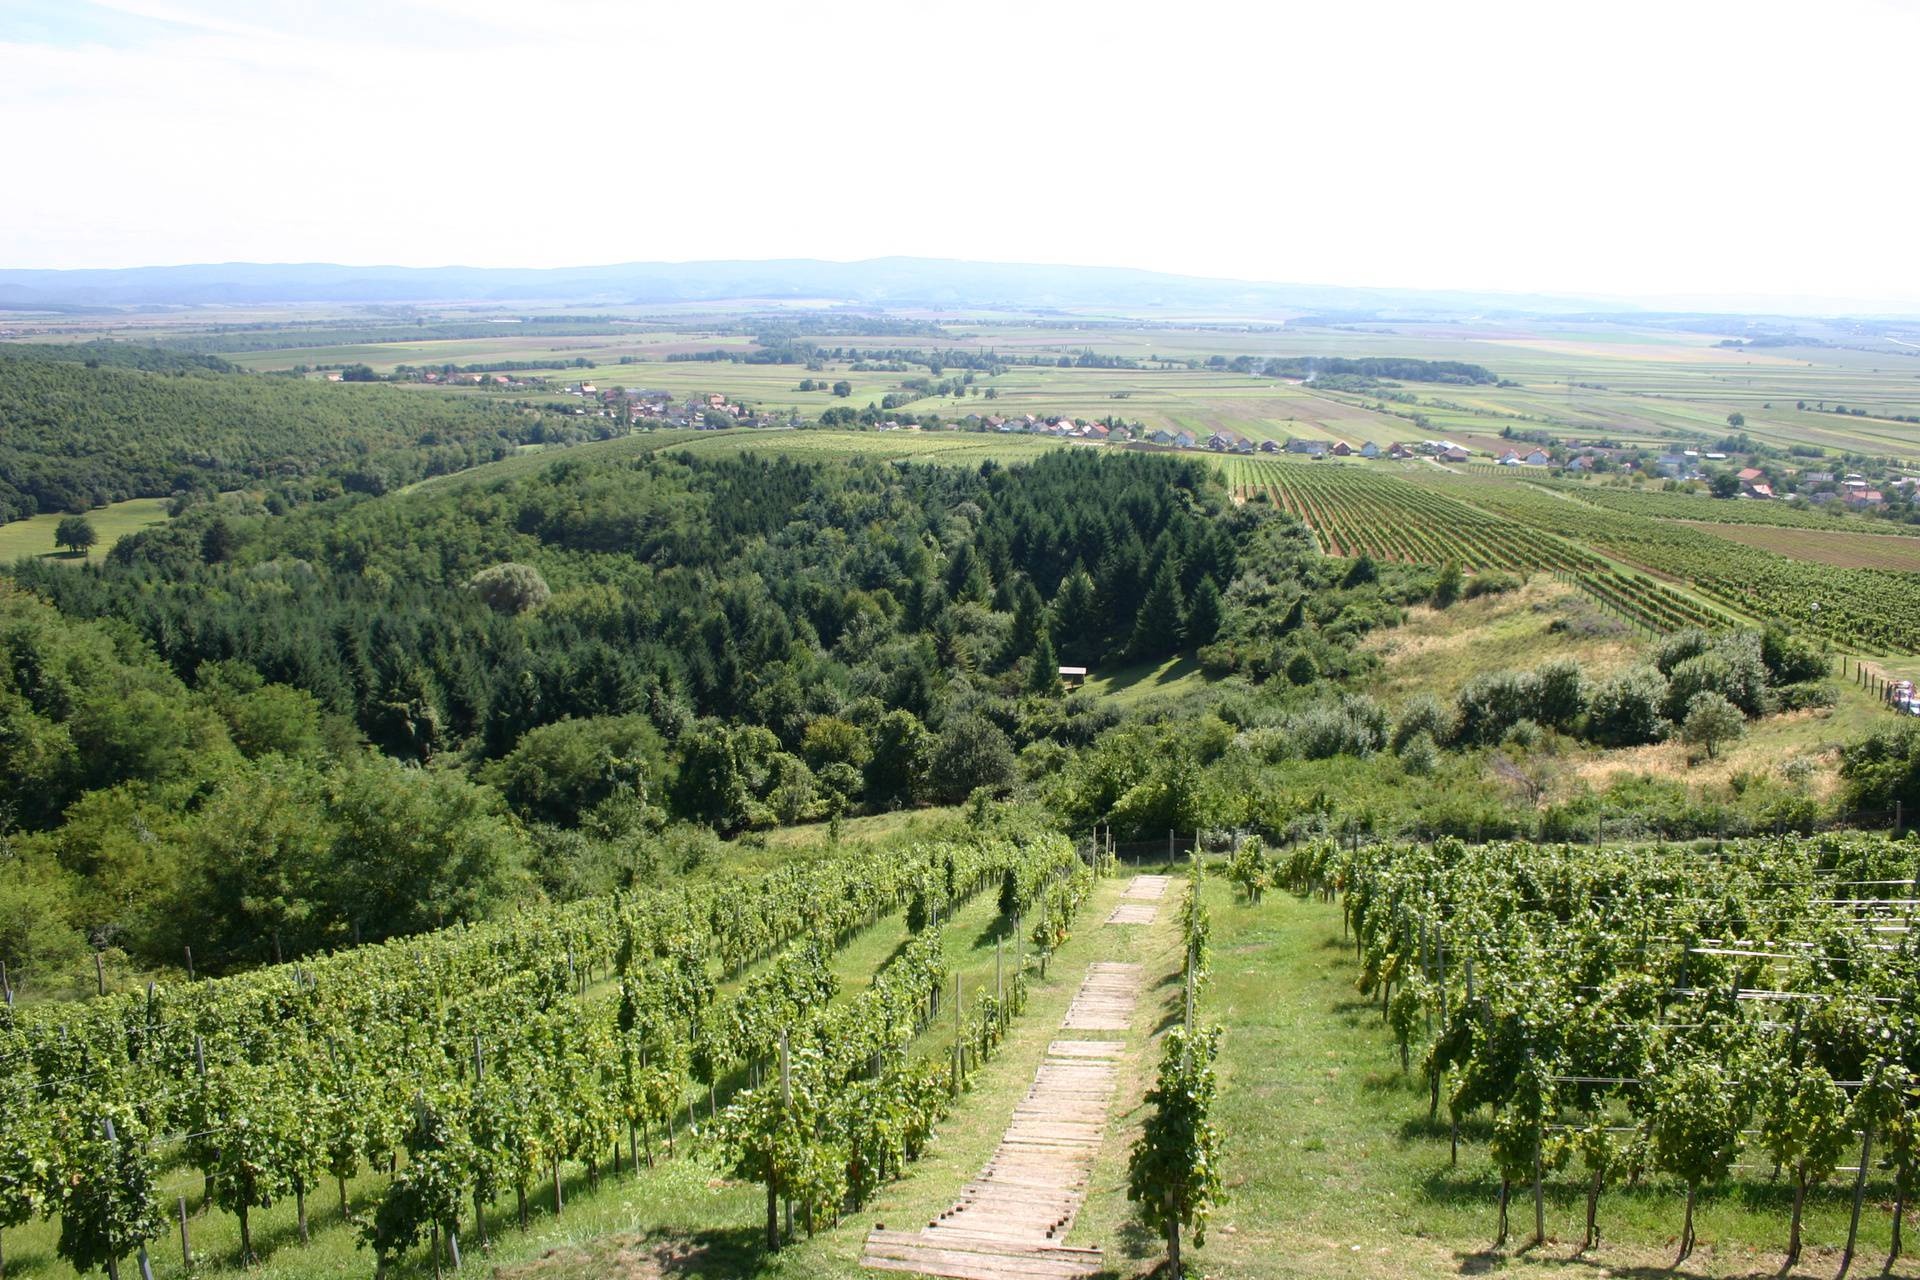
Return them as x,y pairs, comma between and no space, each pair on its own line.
1076,616
1044,675
1029,623
1204,614
1157,630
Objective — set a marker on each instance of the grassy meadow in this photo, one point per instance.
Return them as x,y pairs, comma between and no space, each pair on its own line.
34,535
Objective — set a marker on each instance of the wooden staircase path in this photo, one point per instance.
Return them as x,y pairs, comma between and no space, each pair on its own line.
1010,1221
1141,902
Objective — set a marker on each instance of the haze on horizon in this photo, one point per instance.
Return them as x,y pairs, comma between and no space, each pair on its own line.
1677,153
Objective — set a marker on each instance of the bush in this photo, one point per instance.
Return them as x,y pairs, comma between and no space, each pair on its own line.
1561,693
1882,771
1424,716
1446,587
557,772
1788,658
971,752
1418,755
1491,584
1626,709
1711,720
1491,703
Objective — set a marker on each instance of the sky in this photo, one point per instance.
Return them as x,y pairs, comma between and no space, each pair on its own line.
1680,149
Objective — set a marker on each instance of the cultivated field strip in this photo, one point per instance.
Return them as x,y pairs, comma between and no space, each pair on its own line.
1010,1221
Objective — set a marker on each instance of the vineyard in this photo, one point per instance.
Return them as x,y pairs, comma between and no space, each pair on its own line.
1352,510
1721,1018
1355,511
1695,506
1875,609
482,1060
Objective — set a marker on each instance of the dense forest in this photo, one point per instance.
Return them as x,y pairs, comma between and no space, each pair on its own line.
85,428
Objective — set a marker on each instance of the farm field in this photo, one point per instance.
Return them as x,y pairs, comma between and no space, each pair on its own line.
1847,550
1377,509
1874,611
34,535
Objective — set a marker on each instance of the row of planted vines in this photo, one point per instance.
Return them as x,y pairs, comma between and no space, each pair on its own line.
1723,1019
1355,510
1877,610
478,1062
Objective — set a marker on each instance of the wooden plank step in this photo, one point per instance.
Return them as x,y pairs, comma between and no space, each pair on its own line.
933,1262
962,1265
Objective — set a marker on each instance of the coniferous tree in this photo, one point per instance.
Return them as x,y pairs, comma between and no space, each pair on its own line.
1162,622
1204,614
1044,675
1029,623
1076,615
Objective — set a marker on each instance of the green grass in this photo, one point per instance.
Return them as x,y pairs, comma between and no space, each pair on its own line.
1333,1168
34,535
1130,687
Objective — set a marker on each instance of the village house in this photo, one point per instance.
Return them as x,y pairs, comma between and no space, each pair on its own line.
1341,449
1269,446
1538,458
1369,450
1454,453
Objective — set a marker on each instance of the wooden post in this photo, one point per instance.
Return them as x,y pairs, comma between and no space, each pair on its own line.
189,951
100,973
1859,1193
106,1128
186,1242
1539,1194
959,1039
6,986
479,1206
786,1103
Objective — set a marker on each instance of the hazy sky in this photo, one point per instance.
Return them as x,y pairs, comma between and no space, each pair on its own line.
1671,148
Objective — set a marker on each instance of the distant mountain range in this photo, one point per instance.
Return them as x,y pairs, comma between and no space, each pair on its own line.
934,283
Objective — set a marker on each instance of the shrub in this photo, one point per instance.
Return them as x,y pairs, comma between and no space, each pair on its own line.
1626,709
1561,693
1491,584
1419,756
1882,770
1711,720
1424,716
1491,703
971,752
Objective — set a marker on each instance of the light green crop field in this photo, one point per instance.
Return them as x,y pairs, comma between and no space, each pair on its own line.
34,535
1622,379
